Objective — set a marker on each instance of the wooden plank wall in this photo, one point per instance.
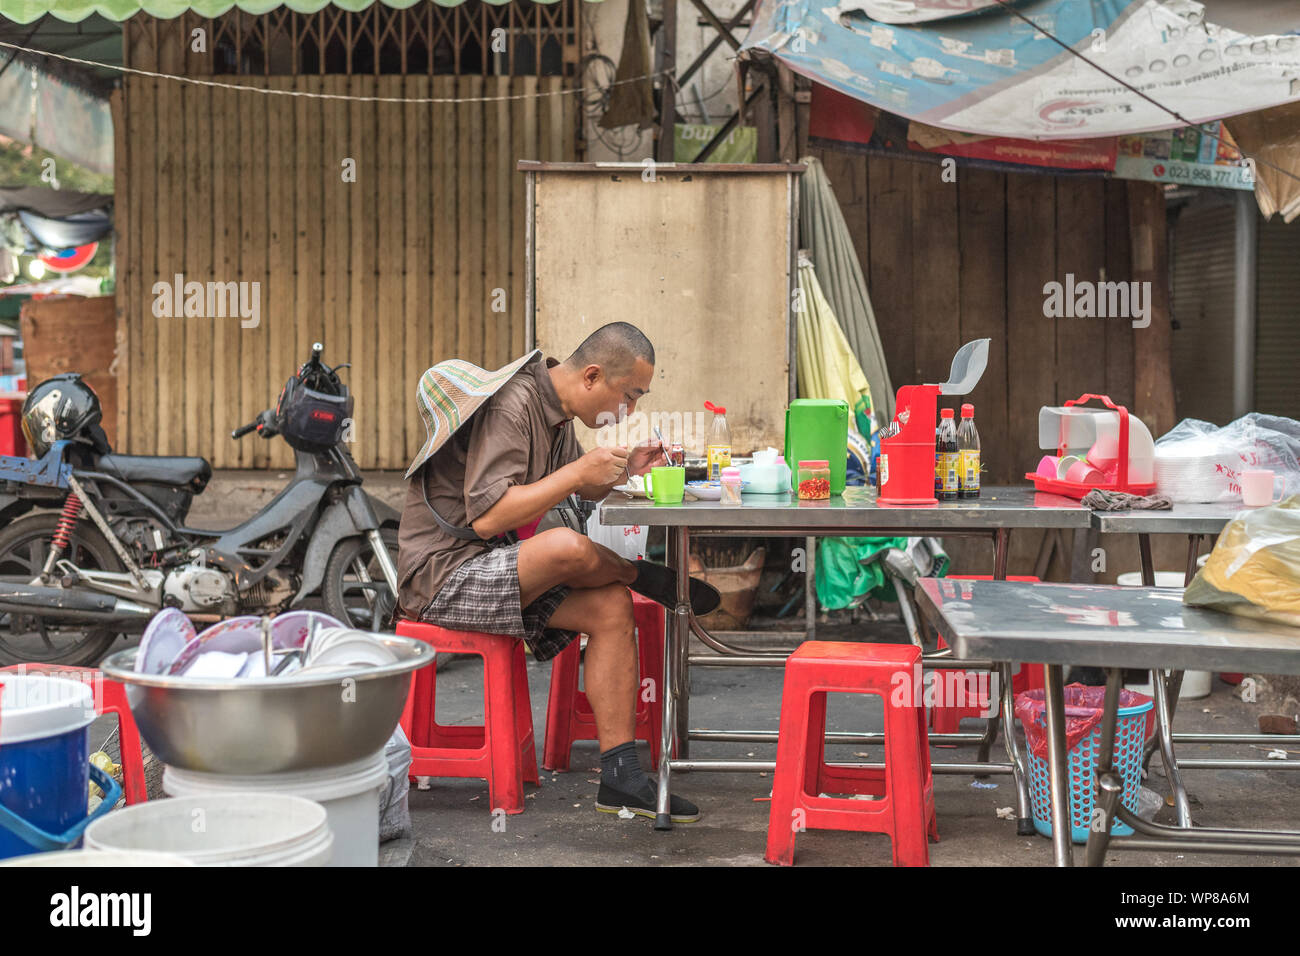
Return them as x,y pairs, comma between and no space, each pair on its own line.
392,272
949,262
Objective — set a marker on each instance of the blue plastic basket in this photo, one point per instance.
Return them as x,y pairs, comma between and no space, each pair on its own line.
1130,738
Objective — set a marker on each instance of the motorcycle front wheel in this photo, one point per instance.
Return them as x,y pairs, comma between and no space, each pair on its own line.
354,589
27,638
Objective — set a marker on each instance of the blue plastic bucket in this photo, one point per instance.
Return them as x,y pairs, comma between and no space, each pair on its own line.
1126,757
44,761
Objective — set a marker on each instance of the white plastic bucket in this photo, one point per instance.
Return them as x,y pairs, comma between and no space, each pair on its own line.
113,858
1196,684
235,829
350,794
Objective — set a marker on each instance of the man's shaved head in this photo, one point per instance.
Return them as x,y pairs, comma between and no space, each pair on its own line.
615,347
606,375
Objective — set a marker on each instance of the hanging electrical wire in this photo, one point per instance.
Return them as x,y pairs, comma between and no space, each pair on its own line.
242,88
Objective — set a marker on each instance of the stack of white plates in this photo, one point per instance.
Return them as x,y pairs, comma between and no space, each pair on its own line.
1187,476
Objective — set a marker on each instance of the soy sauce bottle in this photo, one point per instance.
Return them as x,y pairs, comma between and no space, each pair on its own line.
945,457
968,454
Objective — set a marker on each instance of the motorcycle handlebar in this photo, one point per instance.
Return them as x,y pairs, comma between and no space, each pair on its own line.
261,424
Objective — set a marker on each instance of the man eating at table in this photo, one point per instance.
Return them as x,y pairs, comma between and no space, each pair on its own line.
478,478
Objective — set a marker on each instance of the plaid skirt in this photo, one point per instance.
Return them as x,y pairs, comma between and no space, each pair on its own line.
483,595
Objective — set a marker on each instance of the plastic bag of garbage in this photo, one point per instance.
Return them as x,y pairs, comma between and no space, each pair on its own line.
394,811
1199,461
1083,712
627,541
1254,569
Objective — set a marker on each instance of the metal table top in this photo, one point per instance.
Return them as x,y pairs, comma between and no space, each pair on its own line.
1102,625
1181,519
857,508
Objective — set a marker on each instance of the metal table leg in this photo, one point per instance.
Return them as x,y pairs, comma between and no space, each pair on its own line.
675,638
1148,569
682,691
1164,706
1109,808
1019,773
1001,550
810,588
682,687
1193,552
1108,785
1164,732
1058,766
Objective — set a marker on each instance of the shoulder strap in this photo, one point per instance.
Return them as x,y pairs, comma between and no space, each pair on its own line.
456,531
462,532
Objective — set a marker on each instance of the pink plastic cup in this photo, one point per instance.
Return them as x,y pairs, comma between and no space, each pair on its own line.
1047,467
1082,473
1257,488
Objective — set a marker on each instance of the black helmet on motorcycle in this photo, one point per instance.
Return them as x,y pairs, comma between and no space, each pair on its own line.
59,408
315,408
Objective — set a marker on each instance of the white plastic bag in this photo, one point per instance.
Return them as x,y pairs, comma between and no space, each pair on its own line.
394,810
1199,461
628,541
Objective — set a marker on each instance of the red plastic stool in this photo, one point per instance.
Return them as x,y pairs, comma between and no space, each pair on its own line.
568,713
500,750
905,787
110,698
945,718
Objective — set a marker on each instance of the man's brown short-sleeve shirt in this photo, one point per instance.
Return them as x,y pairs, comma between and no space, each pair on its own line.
519,436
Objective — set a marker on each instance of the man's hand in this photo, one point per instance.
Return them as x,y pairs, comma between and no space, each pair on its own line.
644,457
602,467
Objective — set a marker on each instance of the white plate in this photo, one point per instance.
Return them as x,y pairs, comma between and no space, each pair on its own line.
291,629
704,490
631,491
337,645
166,636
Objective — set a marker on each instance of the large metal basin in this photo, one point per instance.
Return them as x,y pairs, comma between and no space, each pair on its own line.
270,725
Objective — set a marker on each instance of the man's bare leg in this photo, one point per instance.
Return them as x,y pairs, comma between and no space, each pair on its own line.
562,556
600,606
604,614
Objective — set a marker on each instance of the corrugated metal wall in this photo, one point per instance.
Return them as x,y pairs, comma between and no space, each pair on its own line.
1204,264
1277,330
391,272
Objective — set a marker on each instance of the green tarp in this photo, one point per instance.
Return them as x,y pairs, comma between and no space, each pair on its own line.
73,11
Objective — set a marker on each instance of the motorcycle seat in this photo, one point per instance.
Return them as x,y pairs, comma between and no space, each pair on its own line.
159,470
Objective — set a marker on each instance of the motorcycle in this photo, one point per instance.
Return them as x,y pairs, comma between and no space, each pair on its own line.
70,586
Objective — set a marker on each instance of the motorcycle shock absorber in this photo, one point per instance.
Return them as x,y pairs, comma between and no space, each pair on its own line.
63,532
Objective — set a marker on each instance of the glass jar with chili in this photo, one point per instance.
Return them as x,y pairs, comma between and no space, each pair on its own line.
814,480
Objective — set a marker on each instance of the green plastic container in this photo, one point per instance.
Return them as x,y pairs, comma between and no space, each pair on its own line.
817,428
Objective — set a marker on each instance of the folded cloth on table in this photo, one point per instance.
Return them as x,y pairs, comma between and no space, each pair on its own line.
1099,500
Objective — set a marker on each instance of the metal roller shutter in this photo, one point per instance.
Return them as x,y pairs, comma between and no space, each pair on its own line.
1203,266
1277,330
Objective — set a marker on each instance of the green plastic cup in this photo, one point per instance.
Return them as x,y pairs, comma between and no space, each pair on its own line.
666,484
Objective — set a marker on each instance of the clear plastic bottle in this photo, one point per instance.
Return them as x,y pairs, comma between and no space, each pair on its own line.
945,458
718,446
968,454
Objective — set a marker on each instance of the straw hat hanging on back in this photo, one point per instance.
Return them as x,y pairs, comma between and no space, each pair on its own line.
452,391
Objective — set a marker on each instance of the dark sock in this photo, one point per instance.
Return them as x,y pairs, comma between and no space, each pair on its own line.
620,768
